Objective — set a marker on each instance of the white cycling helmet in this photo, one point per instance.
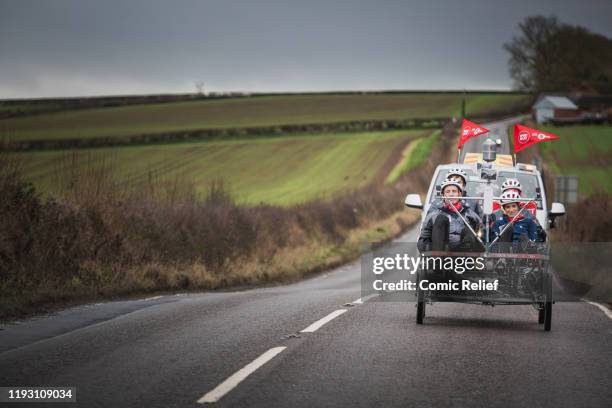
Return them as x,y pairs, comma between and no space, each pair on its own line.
509,197
511,184
447,183
457,172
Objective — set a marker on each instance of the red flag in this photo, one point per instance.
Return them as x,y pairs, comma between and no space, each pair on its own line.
525,137
470,130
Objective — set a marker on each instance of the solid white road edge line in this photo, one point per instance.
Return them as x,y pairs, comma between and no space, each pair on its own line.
317,325
151,298
364,299
604,309
236,378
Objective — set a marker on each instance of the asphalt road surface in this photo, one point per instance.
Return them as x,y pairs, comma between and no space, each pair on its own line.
315,343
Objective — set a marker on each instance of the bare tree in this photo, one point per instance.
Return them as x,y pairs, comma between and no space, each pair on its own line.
550,56
199,85
532,53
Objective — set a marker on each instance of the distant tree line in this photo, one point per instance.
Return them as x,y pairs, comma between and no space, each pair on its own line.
548,56
247,133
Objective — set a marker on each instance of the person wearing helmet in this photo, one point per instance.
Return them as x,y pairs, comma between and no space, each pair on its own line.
513,184
459,175
444,224
521,224
518,231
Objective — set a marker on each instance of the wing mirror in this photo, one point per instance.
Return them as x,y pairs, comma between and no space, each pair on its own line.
413,201
556,210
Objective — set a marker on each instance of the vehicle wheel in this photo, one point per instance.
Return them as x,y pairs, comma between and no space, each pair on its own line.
548,316
549,303
420,314
541,313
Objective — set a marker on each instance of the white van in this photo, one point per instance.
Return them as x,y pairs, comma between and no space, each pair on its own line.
528,175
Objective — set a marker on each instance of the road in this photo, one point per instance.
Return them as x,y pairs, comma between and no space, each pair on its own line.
496,130
175,350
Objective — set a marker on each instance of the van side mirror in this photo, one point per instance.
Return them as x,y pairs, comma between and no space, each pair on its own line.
413,201
556,210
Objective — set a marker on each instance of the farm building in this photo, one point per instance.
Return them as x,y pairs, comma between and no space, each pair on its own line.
549,108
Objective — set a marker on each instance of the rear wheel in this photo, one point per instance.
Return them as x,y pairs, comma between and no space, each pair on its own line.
420,307
549,302
420,315
548,316
541,313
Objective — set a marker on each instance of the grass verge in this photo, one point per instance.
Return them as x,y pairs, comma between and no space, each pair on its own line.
414,155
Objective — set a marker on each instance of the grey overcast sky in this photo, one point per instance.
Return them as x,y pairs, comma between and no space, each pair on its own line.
107,47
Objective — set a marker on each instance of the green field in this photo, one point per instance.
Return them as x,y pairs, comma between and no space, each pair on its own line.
585,151
280,170
416,155
246,112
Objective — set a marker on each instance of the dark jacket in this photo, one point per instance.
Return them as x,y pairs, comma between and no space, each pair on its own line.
499,214
523,225
474,205
456,224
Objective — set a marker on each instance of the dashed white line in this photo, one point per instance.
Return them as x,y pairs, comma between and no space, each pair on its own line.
364,299
317,325
236,378
604,309
231,382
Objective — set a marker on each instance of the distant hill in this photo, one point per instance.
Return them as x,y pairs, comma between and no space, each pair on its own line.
253,111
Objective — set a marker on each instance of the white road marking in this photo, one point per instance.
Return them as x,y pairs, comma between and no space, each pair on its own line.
604,309
317,325
151,298
236,378
364,299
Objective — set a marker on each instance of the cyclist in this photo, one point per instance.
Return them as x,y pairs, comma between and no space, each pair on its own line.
513,184
459,175
521,224
444,226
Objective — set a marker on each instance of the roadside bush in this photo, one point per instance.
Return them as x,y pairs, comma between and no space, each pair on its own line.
589,220
97,238
43,242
